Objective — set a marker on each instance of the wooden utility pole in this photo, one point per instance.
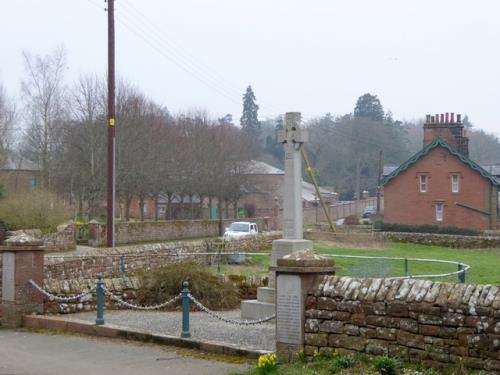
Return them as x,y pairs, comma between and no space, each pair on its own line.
379,181
111,126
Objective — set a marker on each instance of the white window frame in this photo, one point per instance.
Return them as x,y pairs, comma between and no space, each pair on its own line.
455,183
439,212
423,183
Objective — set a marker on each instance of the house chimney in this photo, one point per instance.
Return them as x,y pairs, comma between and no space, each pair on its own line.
443,126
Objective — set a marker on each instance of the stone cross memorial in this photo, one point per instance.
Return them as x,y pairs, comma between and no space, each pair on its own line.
292,138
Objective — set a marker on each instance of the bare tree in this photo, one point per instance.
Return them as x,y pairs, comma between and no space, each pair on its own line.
43,91
80,165
7,120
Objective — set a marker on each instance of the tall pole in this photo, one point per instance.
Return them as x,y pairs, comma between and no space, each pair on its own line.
111,125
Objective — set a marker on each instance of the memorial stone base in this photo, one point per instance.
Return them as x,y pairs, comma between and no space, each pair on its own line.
265,304
296,274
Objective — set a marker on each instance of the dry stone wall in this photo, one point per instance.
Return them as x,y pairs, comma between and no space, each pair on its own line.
62,240
151,231
447,240
70,275
431,322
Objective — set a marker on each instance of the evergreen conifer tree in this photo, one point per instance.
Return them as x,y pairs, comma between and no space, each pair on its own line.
249,120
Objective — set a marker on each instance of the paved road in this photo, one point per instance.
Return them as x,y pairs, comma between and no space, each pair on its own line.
26,353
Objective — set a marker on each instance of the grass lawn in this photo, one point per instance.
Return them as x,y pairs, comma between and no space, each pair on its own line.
485,263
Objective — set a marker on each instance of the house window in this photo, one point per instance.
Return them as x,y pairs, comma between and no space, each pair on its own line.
423,183
455,183
439,211
32,183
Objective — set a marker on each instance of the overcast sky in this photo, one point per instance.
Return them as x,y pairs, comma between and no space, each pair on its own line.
317,56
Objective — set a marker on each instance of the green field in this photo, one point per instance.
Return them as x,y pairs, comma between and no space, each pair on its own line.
485,263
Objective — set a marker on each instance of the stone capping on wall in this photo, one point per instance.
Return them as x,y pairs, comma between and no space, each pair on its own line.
431,322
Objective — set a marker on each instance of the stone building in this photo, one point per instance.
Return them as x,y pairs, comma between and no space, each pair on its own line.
440,185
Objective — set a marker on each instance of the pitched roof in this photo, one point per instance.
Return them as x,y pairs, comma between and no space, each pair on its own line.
442,143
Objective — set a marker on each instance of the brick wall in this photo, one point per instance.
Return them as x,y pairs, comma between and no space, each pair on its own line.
134,232
430,322
405,204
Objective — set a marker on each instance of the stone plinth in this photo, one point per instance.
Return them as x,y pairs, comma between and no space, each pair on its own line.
22,260
264,306
296,273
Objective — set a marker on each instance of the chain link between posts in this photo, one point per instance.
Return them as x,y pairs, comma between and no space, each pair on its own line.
228,320
140,307
53,297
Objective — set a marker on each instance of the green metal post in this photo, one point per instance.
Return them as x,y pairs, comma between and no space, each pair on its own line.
461,275
100,300
406,266
185,310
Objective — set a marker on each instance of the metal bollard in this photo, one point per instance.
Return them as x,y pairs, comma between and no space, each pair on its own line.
406,266
461,275
185,310
99,291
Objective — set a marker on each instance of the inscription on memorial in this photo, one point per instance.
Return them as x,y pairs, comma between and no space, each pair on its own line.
8,277
289,310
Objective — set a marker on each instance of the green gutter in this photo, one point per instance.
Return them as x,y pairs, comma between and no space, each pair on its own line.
475,209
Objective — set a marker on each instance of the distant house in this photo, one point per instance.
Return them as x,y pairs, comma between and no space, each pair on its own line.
263,188
19,177
440,185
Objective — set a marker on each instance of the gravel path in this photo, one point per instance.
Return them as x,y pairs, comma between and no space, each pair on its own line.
202,326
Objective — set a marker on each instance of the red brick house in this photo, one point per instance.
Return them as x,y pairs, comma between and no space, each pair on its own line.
440,185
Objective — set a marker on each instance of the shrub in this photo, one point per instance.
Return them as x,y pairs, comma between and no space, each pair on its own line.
161,284
385,365
35,210
390,227
351,220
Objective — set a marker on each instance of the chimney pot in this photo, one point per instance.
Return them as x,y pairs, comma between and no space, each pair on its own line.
452,117
437,118
428,118
432,119
442,118
447,117
459,117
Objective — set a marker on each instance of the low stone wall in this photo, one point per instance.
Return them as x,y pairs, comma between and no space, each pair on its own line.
151,231
447,240
148,256
62,240
70,275
438,324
